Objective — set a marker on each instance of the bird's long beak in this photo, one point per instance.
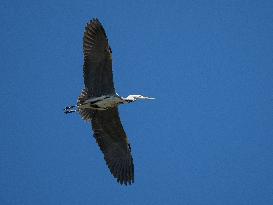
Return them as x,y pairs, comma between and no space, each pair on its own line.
148,98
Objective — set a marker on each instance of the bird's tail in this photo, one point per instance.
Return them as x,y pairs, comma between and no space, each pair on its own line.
85,113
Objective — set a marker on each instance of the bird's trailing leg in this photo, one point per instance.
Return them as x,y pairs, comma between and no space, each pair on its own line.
70,109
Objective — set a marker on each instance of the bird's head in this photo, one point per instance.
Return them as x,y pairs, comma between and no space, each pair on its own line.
138,97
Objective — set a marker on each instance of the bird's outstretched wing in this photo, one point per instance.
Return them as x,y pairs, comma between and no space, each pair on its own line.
113,142
97,69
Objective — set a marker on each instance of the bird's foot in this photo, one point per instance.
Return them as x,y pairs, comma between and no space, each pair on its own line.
69,109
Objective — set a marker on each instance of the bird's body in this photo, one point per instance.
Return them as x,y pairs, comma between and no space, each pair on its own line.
105,102
102,103
98,103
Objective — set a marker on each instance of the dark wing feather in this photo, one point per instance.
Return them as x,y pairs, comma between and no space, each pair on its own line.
113,142
97,69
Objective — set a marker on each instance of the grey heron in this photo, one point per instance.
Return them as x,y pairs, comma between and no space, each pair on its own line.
98,103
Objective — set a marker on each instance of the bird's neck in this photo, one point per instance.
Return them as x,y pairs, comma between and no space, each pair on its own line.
126,100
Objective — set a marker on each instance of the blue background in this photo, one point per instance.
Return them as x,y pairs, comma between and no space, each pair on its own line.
206,139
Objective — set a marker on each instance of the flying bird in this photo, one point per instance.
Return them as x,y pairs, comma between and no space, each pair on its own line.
98,103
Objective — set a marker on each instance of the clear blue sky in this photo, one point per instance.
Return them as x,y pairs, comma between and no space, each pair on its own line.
206,139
